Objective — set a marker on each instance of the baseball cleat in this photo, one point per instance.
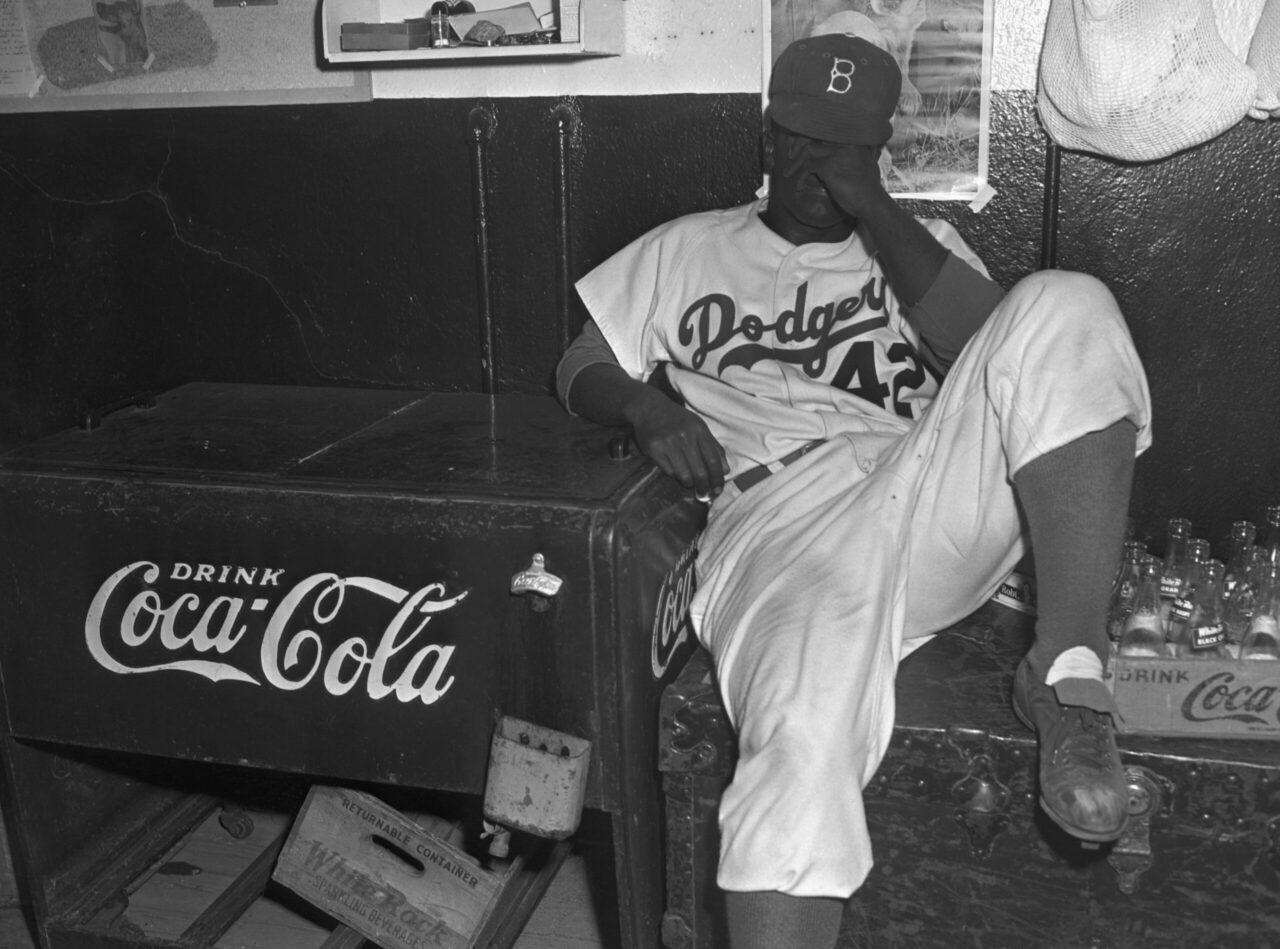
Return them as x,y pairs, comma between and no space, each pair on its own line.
1082,783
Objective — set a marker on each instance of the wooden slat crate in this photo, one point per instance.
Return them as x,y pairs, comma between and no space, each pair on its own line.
9,895
386,876
178,870
1197,698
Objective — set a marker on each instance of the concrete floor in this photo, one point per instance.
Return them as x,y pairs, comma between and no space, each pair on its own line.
565,919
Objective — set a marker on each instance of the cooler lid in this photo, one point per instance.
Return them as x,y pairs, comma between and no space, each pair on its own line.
417,442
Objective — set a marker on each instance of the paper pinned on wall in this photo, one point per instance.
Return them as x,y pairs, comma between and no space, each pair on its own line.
940,146
982,199
196,55
17,70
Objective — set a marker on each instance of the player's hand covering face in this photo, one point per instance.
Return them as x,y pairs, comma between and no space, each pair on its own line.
817,189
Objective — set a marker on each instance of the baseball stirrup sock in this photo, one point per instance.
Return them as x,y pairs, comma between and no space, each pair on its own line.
763,919
1076,499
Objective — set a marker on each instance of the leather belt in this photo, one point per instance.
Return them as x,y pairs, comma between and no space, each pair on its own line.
753,476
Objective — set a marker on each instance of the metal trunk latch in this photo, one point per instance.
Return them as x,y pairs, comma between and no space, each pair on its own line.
1273,843
1131,855
981,801
982,805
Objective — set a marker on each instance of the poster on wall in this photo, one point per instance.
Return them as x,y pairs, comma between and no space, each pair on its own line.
943,47
94,54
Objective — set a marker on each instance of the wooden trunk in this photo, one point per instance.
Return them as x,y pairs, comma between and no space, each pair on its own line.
965,858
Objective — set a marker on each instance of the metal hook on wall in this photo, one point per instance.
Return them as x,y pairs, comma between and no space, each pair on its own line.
1049,220
567,120
481,125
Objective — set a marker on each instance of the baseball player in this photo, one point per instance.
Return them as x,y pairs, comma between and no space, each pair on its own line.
869,414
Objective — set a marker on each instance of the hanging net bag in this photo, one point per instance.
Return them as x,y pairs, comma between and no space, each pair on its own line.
1264,60
1138,80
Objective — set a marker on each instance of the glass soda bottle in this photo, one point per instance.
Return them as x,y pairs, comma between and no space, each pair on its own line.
1243,535
1143,632
1204,635
1262,639
1271,541
1237,582
1179,611
1125,588
1174,565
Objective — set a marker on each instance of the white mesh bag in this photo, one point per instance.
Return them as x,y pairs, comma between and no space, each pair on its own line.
1264,60
1138,80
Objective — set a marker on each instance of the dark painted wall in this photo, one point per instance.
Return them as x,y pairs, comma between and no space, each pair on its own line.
336,245
1191,248
320,245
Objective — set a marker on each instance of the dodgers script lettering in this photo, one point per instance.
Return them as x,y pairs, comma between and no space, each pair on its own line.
211,637
838,340
711,323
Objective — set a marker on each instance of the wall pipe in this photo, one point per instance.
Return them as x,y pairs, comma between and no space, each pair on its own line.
1049,220
566,119
480,128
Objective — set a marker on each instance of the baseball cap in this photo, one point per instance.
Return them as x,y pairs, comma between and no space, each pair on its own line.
837,88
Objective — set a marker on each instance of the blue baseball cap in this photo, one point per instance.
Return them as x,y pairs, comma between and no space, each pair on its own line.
837,88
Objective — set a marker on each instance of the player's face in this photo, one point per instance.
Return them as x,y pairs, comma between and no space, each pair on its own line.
800,207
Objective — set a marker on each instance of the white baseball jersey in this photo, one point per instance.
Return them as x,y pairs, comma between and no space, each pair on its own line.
782,344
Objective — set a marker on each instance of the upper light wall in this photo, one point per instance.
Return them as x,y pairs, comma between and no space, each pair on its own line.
679,46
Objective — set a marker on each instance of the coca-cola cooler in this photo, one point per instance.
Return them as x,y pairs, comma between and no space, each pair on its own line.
234,587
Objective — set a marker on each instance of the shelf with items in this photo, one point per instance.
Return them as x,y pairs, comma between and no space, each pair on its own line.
574,28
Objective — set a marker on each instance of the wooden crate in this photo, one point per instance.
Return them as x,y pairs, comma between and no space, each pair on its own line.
9,895
386,876
181,870
1197,698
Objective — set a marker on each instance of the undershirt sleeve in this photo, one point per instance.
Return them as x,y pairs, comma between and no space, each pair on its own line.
588,348
953,309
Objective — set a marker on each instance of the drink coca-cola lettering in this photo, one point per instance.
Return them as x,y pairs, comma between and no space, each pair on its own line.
131,624
671,624
1219,696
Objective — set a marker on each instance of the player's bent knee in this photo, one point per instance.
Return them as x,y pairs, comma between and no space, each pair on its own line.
1066,288
1066,300
794,744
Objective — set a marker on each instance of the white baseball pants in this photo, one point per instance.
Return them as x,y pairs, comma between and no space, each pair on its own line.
810,582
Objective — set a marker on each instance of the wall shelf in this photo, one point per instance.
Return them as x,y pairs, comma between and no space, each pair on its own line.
599,33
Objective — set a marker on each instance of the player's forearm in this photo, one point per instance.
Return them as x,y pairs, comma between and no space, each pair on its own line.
604,393
912,257
676,439
957,304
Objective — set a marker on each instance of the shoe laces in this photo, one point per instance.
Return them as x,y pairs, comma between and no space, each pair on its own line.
1087,739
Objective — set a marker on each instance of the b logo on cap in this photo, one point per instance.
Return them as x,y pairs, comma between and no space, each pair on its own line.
841,75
